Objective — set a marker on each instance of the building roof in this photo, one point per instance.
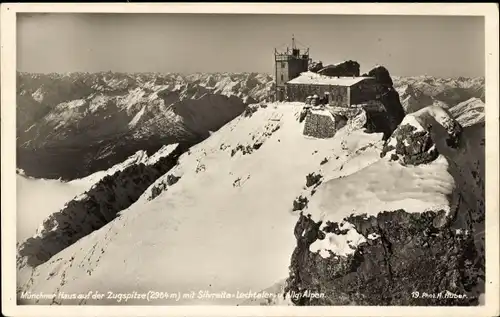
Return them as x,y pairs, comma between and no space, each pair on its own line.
311,78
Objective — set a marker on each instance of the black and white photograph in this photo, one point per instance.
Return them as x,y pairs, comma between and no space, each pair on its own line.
251,159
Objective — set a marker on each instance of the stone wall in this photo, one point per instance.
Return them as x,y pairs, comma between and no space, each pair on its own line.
321,124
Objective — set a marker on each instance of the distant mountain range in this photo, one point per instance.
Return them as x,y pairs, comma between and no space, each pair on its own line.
71,125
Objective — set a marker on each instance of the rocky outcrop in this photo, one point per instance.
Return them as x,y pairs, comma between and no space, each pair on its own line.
162,186
381,74
376,122
389,97
414,147
406,259
428,257
94,209
313,179
412,144
344,69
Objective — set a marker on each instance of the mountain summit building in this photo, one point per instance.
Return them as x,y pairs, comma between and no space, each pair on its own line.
297,78
339,91
289,65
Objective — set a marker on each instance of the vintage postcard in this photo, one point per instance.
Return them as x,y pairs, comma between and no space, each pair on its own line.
250,160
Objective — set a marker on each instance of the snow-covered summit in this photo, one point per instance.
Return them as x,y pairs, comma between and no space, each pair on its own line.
230,206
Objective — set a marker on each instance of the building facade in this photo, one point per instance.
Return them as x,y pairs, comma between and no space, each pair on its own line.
337,95
340,91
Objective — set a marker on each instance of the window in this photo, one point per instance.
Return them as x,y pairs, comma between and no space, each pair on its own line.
281,77
282,64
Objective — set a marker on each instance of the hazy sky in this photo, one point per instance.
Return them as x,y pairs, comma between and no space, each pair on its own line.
186,43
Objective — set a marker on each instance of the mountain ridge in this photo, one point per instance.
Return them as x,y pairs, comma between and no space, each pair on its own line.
252,190
249,157
99,119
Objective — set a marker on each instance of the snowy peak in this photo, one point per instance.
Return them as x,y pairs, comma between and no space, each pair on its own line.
270,176
385,232
326,218
250,159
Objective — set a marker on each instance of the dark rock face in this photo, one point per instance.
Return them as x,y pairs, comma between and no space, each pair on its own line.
393,106
99,206
455,132
411,254
381,74
388,96
344,69
467,166
375,118
300,203
313,179
376,122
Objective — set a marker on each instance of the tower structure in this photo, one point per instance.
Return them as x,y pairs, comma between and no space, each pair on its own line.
288,65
